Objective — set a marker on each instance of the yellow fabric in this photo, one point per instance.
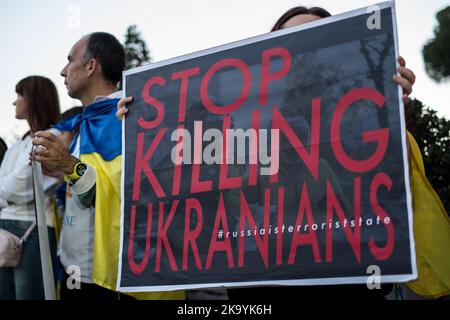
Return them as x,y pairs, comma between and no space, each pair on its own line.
107,227
431,232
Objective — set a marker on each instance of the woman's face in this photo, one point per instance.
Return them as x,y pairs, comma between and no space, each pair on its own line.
21,107
299,19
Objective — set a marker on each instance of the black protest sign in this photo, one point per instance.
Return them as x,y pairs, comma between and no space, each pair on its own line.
278,159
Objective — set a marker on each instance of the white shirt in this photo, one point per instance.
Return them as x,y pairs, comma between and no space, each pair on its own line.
16,185
77,233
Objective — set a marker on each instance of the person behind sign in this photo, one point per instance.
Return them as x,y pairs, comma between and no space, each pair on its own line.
429,214
37,103
301,15
427,284
293,17
92,168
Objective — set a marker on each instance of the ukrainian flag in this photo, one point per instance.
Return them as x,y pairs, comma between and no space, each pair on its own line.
431,232
101,148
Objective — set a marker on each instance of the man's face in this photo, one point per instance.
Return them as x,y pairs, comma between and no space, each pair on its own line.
75,72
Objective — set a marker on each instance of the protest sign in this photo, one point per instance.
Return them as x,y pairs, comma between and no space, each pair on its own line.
279,159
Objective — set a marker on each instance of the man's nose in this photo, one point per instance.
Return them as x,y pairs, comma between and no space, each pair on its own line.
63,72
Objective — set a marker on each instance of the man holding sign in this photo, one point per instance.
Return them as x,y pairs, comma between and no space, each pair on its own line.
92,168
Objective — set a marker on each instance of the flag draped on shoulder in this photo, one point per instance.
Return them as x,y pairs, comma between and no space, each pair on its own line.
431,232
101,148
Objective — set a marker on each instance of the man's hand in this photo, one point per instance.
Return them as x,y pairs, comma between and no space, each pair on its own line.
52,153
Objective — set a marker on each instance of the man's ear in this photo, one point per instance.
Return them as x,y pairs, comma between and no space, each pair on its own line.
91,66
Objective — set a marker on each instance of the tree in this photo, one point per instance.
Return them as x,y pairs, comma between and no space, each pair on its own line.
432,134
436,53
375,52
136,49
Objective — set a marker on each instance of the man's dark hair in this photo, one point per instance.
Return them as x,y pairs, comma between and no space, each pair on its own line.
316,11
109,52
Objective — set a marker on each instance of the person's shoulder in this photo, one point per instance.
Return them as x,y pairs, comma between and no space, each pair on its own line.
19,145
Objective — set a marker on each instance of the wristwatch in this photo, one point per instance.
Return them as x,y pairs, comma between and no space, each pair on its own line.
78,170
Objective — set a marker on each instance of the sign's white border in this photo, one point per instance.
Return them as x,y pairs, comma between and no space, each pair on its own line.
319,281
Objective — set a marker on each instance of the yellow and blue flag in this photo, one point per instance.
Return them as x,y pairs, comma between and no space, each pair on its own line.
101,148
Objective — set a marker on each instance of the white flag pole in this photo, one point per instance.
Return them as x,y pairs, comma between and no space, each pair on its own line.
46,259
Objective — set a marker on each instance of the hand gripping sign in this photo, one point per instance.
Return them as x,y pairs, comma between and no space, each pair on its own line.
280,159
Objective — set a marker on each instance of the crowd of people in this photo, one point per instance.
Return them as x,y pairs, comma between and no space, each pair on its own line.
75,181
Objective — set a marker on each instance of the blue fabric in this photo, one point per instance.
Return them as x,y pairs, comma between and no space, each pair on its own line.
99,129
60,195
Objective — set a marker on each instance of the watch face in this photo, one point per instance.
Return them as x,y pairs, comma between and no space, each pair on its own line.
81,169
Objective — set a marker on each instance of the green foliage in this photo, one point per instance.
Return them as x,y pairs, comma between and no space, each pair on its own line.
136,49
432,133
436,53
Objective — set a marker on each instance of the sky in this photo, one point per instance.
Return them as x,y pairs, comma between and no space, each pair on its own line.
38,35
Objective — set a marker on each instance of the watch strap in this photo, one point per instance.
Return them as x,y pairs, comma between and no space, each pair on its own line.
74,175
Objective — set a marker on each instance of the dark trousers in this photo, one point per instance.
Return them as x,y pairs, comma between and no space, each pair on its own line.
90,291
333,292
